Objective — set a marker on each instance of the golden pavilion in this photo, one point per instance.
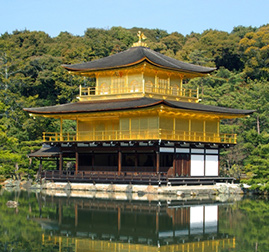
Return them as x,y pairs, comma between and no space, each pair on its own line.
137,124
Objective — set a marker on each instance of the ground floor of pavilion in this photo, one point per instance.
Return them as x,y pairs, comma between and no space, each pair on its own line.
148,162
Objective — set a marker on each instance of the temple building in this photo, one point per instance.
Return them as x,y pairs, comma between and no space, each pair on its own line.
138,123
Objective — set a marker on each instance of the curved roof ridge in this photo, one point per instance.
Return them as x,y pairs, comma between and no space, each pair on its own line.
178,63
95,60
135,55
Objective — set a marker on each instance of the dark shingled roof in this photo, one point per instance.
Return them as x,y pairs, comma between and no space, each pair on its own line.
46,152
136,55
125,104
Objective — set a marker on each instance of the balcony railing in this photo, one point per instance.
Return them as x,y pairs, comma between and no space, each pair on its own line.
173,91
152,134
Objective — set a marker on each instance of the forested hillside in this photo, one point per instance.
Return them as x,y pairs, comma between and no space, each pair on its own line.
31,76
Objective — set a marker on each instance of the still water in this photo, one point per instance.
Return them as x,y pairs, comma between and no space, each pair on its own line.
54,223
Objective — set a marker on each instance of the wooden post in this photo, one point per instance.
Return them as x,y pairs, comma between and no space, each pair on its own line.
157,161
119,161
168,90
143,83
136,160
218,132
181,86
93,155
204,131
174,163
77,160
61,162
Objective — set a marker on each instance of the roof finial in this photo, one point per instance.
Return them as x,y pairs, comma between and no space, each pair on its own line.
141,36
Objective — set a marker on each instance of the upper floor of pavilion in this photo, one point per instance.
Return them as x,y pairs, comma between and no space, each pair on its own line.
138,72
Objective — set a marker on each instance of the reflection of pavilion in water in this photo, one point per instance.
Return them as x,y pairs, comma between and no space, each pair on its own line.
98,225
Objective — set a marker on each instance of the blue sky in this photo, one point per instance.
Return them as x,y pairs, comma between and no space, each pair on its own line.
183,16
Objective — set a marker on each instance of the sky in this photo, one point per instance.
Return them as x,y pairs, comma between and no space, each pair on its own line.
183,16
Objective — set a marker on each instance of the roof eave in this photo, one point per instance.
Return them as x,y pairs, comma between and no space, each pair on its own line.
93,70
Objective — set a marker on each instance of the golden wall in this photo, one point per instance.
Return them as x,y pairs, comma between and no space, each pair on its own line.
147,126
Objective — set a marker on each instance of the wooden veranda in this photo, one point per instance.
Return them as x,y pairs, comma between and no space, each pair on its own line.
150,178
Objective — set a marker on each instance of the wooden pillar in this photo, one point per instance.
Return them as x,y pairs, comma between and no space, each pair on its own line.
93,160
218,132
61,162
136,160
126,84
143,83
181,86
174,163
190,137
174,128
119,161
157,161
169,84
204,131
97,84
77,159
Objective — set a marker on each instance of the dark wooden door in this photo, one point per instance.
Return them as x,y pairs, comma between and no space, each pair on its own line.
182,165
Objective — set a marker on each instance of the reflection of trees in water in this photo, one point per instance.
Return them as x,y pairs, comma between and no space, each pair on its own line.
248,220
37,214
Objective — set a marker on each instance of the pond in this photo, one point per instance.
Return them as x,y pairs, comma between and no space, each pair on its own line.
56,223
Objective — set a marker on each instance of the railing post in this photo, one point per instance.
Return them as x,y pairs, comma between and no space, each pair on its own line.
197,93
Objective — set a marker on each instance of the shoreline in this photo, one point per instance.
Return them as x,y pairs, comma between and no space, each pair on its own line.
127,191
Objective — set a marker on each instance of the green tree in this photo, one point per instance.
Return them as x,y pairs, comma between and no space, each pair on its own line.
255,53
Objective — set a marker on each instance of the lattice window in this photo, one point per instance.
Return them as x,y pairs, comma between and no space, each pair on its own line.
163,84
118,85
